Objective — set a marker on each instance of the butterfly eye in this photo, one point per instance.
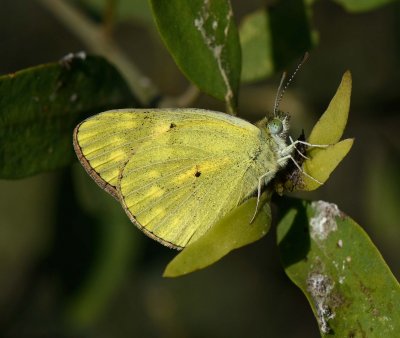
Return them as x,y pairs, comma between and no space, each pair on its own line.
275,126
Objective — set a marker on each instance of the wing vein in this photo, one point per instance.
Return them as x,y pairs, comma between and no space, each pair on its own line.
158,180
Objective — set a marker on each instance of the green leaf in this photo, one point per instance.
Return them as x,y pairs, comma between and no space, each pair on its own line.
232,232
323,162
290,31
213,60
255,39
329,129
362,6
40,106
332,260
268,45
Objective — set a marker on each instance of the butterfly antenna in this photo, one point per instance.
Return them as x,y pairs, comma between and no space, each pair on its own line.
280,92
276,104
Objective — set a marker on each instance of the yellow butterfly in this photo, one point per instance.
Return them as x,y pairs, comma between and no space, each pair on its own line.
176,172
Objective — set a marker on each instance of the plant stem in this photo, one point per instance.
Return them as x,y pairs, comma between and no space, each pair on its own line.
92,35
183,100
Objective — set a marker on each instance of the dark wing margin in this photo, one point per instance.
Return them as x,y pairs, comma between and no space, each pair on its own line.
112,190
150,234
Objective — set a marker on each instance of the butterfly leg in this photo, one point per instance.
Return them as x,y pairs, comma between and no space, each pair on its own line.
290,157
298,151
282,161
260,184
293,144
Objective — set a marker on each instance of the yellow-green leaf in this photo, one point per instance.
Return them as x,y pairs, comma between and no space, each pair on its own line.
329,129
323,161
232,232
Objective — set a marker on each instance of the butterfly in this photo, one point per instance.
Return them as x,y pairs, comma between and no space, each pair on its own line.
176,172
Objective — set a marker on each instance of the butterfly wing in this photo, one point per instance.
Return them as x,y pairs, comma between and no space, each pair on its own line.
176,172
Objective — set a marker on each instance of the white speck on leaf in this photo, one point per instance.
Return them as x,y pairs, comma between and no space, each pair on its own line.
384,319
348,259
340,243
324,220
214,43
67,59
340,268
320,287
81,55
343,265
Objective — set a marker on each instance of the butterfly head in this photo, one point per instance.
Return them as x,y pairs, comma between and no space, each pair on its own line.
278,125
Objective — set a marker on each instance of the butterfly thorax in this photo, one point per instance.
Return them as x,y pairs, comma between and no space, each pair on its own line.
274,131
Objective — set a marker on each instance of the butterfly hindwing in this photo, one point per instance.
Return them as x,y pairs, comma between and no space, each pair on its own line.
179,197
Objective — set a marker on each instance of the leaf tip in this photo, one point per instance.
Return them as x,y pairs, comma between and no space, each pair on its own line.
167,274
171,272
347,73
347,79
347,143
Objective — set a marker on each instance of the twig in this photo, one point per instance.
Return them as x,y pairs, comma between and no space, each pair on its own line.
92,35
183,100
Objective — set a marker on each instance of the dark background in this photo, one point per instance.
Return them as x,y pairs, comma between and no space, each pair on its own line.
71,268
